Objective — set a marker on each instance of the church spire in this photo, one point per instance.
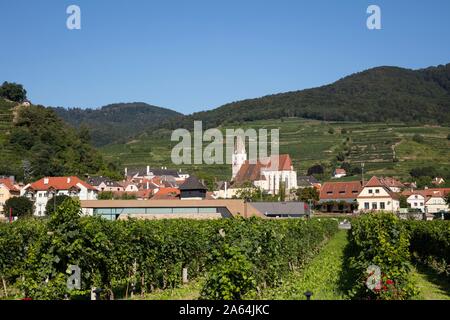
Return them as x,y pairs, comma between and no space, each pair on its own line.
239,146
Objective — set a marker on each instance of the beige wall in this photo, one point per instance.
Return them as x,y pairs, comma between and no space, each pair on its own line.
4,195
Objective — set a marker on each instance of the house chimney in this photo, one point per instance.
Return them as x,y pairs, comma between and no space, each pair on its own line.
11,178
68,179
126,172
45,180
148,170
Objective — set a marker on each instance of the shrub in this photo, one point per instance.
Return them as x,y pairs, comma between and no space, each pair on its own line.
418,138
430,243
381,239
231,276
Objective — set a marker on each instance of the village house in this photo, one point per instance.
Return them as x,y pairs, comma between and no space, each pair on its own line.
429,200
393,184
438,181
150,173
376,196
43,190
339,173
104,184
8,189
339,196
268,173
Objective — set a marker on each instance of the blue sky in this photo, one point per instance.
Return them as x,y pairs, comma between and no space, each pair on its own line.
199,54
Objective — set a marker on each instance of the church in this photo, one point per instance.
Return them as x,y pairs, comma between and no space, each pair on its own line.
267,174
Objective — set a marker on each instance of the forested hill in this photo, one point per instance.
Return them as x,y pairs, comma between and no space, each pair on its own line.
376,95
35,142
116,122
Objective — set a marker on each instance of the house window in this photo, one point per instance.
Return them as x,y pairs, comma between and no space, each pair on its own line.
415,204
377,190
382,206
370,191
366,205
421,204
374,206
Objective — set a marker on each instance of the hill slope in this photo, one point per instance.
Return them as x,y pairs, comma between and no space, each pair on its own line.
116,122
35,142
375,95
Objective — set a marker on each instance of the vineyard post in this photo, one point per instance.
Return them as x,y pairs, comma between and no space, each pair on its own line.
4,286
185,275
10,215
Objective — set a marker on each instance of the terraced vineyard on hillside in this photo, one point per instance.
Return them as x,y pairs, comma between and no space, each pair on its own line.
310,142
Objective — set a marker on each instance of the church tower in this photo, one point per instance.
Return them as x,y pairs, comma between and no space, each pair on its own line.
239,156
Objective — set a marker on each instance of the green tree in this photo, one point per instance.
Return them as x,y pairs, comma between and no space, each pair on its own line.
13,91
447,199
282,191
418,138
403,202
21,206
248,192
306,194
54,203
315,169
106,195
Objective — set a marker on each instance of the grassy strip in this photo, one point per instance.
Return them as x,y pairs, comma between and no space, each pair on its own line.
189,291
432,286
322,276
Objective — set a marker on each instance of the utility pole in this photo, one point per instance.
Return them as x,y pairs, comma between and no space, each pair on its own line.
362,172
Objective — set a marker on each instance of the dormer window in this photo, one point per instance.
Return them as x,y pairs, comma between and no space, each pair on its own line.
370,191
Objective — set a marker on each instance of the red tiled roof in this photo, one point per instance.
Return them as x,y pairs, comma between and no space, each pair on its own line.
167,193
340,171
60,183
391,182
252,171
429,193
374,182
8,184
340,190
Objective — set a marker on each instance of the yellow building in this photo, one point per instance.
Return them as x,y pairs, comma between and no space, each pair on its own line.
7,190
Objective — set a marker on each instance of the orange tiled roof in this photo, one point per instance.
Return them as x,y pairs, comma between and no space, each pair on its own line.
429,193
8,184
340,190
167,193
60,183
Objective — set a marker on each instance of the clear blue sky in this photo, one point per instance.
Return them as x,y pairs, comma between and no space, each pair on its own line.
199,54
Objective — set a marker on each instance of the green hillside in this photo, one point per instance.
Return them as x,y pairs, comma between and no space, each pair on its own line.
375,95
116,122
310,142
35,142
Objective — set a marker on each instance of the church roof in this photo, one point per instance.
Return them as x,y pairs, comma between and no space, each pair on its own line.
252,171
